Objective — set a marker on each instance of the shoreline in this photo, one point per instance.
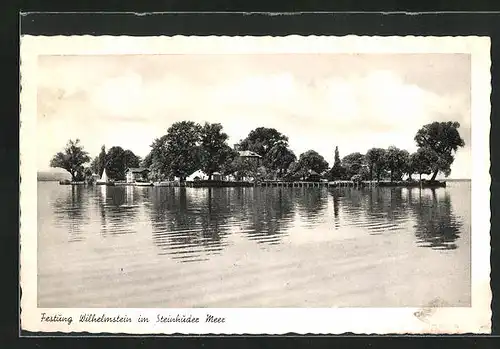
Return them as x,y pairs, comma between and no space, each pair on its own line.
291,184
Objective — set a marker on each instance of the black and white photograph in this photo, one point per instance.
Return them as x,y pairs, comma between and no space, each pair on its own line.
240,179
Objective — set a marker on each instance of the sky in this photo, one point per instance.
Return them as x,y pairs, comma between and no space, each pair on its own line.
353,101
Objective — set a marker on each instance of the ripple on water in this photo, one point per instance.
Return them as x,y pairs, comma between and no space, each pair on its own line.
246,246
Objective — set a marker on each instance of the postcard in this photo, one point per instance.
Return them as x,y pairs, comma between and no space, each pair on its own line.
255,185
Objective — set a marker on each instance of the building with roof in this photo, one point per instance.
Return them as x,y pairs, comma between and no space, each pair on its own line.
198,175
136,174
249,154
313,176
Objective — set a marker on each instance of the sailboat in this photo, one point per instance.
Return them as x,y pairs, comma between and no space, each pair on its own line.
104,179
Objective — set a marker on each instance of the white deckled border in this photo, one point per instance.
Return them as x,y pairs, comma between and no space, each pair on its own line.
475,319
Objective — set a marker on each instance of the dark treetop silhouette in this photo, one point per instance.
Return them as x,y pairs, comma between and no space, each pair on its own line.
188,146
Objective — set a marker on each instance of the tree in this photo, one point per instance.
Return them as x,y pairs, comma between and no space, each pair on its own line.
262,173
261,140
364,173
410,166
422,161
241,167
443,139
115,167
311,161
71,159
118,160
375,159
130,159
214,151
87,175
147,161
179,149
279,157
157,160
353,163
337,171
94,165
396,161
295,171
229,167
99,162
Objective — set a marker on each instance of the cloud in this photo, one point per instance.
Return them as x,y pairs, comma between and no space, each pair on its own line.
119,96
317,103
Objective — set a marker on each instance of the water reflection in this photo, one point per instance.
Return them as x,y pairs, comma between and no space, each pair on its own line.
267,214
192,224
336,210
118,209
311,204
382,211
189,226
70,212
378,210
386,211
436,225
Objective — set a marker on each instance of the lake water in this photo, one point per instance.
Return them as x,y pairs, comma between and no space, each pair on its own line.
253,247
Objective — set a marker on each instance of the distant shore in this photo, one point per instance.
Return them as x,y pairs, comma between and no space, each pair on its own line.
46,176
278,183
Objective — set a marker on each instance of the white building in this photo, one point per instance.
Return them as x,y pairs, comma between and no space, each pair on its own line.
138,174
197,176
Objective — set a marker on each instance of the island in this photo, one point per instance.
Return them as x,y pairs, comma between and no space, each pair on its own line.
194,155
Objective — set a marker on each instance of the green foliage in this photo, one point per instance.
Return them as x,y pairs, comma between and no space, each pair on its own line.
147,161
261,140
177,154
214,150
182,148
295,171
130,159
87,175
337,157
423,161
396,162
72,159
364,173
337,171
188,146
229,167
279,158
376,161
357,178
309,161
443,139
99,162
115,167
117,162
242,167
263,173
159,166
353,163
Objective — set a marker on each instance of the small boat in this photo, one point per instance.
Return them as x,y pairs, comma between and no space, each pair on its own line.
144,184
104,179
166,184
68,182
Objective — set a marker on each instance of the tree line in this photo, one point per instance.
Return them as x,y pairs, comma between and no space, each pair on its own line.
75,160
188,146
436,142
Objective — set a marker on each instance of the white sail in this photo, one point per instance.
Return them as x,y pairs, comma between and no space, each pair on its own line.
104,177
